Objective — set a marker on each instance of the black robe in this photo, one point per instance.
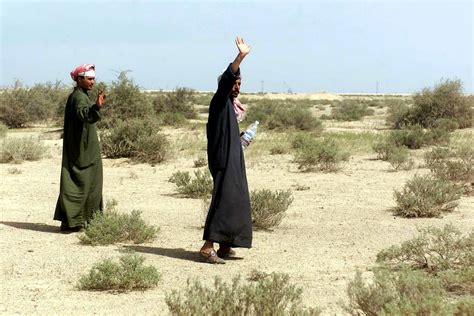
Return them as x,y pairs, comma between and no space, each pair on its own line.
229,220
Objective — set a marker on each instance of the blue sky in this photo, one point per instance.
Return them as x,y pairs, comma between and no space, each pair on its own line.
401,46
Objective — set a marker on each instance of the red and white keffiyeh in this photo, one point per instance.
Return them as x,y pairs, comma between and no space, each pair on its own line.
86,70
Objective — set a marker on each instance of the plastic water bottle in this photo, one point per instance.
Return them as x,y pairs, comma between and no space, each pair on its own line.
249,134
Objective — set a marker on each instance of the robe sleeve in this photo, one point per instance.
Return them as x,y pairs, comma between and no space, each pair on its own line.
85,111
226,83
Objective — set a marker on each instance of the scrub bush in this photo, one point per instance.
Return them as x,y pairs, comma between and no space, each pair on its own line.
3,130
426,196
268,208
444,101
200,162
127,275
137,139
284,115
431,274
272,295
350,110
455,164
17,150
197,187
179,102
124,102
20,106
111,227
397,156
324,155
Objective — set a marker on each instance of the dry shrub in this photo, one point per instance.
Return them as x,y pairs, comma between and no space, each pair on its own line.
268,208
397,156
455,164
200,162
323,155
272,295
137,139
179,102
350,110
426,196
199,186
432,274
127,275
17,150
3,130
111,227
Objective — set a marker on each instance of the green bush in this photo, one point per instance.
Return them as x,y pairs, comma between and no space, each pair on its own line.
199,186
324,155
268,208
350,110
397,114
137,139
397,156
200,162
20,106
180,101
17,150
433,250
284,115
111,227
127,275
451,163
430,274
426,196
3,130
124,102
272,295
445,101
403,293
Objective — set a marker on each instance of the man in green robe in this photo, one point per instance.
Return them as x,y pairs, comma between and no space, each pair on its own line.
80,193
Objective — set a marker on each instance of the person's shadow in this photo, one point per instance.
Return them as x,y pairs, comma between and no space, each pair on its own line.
39,227
177,253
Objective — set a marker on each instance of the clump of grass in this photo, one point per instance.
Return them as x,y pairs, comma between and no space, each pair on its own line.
199,186
17,150
431,274
14,170
127,275
426,196
3,130
350,110
323,155
455,164
397,156
200,162
272,295
112,227
268,208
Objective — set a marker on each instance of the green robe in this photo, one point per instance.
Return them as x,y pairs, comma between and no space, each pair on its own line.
80,193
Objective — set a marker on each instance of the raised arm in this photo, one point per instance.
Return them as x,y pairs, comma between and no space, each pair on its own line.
244,49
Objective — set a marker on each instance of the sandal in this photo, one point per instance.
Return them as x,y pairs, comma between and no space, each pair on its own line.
211,257
226,252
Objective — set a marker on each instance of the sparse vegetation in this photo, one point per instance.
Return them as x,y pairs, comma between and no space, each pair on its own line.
127,275
272,295
431,274
426,196
111,227
268,208
350,110
199,186
17,150
322,154
3,130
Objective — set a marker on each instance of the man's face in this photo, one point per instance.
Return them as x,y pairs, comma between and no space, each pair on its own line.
236,88
85,82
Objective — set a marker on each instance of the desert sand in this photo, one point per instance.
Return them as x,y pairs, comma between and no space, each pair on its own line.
331,230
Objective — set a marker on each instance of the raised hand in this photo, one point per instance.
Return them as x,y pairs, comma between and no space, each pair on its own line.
244,49
100,98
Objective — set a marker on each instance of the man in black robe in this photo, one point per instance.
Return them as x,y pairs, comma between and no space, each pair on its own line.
229,221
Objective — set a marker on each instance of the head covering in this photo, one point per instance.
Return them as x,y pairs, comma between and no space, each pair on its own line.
239,108
86,70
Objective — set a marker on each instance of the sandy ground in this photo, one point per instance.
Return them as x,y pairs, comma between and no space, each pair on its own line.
332,229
